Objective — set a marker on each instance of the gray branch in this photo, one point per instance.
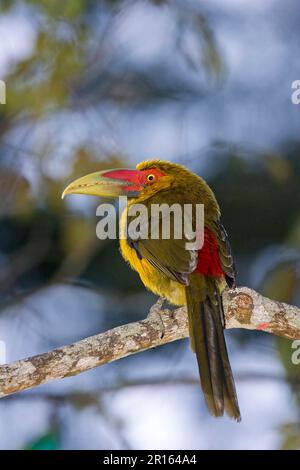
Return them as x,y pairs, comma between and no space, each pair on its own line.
244,308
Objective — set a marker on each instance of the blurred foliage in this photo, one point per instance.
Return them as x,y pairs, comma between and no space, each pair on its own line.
255,197
48,441
291,433
75,71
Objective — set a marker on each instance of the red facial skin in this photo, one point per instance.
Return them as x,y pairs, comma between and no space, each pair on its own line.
137,177
208,256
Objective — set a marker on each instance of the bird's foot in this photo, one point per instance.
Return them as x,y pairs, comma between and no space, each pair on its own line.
155,315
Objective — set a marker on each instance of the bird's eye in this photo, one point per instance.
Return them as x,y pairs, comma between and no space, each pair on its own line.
150,178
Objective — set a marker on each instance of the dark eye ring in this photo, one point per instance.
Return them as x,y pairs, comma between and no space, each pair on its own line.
150,178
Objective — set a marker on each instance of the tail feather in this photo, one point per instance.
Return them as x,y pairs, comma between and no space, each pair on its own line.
212,355
205,317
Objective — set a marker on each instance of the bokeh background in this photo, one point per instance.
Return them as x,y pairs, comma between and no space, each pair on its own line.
94,84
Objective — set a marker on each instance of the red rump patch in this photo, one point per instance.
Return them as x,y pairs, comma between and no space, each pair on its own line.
208,257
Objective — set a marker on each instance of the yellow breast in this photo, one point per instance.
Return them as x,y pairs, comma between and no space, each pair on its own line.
154,280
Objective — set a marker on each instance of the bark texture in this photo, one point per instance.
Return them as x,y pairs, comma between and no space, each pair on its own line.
244,308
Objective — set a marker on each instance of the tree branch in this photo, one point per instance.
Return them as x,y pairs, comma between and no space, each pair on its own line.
244,308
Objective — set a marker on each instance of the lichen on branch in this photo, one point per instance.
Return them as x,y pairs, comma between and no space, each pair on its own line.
243,308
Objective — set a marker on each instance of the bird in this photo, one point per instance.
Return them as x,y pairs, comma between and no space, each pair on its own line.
195,278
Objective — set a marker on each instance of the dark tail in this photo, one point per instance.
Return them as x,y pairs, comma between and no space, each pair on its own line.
208,342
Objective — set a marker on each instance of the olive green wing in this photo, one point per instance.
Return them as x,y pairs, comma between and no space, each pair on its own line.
225,254
168,255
